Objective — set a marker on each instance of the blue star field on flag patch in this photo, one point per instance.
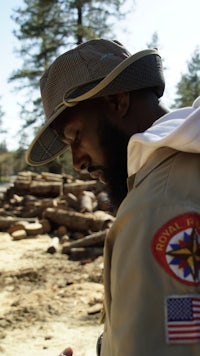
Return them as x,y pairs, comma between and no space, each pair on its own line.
182,319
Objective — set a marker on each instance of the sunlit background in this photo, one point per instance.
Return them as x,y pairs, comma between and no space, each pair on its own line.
176,23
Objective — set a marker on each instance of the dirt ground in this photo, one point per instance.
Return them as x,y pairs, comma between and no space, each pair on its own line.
47,301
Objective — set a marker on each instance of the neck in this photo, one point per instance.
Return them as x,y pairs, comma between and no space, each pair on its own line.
144,110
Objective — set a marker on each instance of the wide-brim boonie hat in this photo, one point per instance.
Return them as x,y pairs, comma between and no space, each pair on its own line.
93,69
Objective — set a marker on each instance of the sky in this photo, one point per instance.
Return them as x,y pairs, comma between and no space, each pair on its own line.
175,21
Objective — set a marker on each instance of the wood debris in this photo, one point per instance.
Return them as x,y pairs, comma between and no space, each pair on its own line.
76,213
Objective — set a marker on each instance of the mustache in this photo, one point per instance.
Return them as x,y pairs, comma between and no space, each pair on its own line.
97,172
92,169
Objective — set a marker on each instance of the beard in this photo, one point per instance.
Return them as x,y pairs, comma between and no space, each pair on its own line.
114,145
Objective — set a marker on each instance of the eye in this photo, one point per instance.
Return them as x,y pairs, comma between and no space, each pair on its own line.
77,138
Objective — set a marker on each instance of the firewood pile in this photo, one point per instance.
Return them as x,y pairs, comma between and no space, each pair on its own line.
75,213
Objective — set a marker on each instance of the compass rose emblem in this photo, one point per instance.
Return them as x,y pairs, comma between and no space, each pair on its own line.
176,246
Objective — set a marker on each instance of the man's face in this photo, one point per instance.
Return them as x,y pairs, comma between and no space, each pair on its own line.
114,147
98,146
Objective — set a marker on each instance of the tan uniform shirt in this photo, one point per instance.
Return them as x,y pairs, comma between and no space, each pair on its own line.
152,261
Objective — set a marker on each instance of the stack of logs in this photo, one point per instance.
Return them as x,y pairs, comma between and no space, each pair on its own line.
76,213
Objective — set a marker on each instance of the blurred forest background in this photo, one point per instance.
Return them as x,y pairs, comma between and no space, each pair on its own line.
45,29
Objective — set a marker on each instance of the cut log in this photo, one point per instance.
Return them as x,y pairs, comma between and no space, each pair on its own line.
29,200
72,201
61,231
73,220
17,199
7,221
77,187
40,196
52,177
19,234
106,219
87,202
64,239
26,174
78,221
47,202
35,212
22,185
103,201
95,239
45,188
34,229
16,227
53,246
77,235
83,253
46,226
97,308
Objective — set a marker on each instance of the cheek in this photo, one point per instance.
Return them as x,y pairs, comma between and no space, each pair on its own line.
95,151
89,146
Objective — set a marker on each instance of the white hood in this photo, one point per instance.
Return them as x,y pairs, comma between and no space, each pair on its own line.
179,130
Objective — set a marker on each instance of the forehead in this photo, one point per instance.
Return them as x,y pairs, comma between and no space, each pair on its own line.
82,112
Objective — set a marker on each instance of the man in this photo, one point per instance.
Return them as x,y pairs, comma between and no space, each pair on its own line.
103,103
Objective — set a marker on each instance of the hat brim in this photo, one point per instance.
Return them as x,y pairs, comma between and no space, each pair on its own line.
134,73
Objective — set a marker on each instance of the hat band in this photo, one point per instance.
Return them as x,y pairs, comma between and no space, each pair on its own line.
70,101
65,103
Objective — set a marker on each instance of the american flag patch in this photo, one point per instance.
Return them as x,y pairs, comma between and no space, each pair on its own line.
182,319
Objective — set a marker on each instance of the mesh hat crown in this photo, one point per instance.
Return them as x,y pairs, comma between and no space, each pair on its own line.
93,69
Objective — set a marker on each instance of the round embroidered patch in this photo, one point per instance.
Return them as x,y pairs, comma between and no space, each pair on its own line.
176,246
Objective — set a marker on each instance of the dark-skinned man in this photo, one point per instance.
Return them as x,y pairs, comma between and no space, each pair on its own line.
103,103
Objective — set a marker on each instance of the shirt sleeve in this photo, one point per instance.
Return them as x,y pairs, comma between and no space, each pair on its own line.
146,283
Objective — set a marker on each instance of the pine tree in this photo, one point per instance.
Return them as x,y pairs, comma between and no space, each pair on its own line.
47,28
188,87
154,43
2,130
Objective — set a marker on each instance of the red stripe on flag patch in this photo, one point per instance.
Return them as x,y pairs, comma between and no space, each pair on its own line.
182,319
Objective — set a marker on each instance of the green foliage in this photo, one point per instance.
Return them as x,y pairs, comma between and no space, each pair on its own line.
1,112
61,165
19,163
2,130
13,162
47,28
3,147
154,43
6,164
188,87
66,163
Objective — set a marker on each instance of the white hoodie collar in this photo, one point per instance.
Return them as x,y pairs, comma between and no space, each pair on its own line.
179,130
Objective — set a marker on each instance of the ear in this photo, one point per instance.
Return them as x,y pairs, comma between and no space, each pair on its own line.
118,103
